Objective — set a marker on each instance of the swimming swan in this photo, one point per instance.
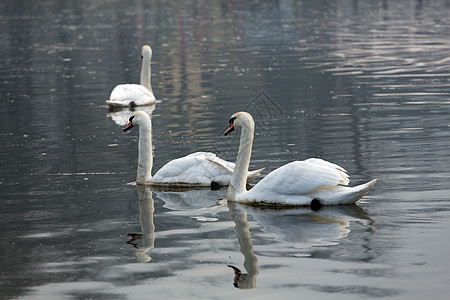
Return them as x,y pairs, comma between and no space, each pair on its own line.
197,169
296,183
135,94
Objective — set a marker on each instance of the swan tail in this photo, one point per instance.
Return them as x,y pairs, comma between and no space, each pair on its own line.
336,195
366,187
253,174
361,190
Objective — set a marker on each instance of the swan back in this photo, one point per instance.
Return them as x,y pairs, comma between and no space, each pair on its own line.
197,169
301,178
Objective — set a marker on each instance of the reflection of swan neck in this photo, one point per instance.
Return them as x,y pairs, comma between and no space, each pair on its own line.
146,69
146,210
145,159
242,229
239,179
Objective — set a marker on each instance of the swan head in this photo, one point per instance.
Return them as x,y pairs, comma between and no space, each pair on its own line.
139,118
237,120
146,51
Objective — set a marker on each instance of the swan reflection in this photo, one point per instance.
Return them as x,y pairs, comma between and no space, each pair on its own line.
242,230
147,236
121,115
189,199
299,227
200,204
304,227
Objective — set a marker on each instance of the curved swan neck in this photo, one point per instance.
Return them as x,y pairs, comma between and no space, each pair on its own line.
146,72
239,178
145,159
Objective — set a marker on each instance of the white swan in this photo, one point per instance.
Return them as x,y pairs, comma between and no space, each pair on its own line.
296,183
135,94
196,169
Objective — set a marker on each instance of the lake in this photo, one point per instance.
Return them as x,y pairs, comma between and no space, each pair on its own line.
364,84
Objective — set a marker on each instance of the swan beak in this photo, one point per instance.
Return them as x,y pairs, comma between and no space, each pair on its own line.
229,130
129,126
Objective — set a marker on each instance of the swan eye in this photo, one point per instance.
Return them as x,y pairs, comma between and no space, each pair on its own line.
232,119
131,119
142,56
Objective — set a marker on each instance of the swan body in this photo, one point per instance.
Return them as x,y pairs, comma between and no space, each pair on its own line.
200,168
135,94
194,170
295,184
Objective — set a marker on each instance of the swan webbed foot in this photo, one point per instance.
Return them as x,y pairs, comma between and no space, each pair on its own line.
315,204
215,185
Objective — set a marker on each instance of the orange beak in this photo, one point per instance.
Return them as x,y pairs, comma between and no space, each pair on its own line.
129,126
229,130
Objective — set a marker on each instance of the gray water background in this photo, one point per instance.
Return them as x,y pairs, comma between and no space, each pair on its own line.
364,84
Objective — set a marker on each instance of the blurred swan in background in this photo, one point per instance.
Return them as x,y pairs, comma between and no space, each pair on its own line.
135,94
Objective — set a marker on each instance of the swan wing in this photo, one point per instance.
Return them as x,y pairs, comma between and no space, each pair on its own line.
124,94
190,169
343,176
229,166
301,178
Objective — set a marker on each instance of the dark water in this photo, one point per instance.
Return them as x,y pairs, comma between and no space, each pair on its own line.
364,84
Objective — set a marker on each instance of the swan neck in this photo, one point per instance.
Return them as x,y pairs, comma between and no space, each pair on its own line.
145,159
239,178
146,73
